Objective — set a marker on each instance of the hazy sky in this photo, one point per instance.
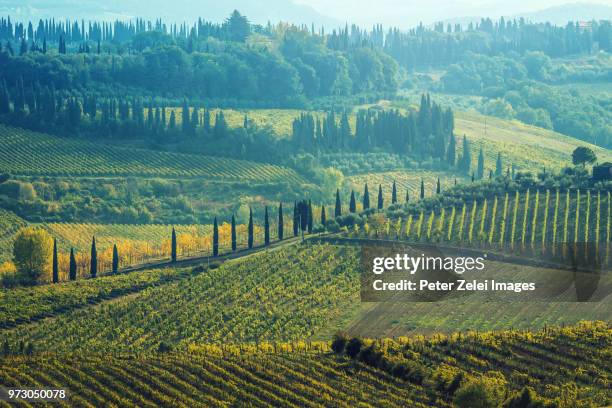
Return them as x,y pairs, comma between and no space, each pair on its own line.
400,11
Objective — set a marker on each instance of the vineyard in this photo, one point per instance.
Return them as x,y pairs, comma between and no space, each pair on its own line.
569,366
408,180
278,295
27,304
30,153
9,225
538,221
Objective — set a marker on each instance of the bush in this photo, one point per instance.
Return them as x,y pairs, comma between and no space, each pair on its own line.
475,395
339,343
353,347
32,255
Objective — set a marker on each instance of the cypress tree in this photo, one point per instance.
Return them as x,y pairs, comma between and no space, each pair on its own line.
233,233
498,166
480,171
173,254
310,217
115,259
366,197
472,177
215,237
407,196
55,266
93,268
438,186
281,223
250,229
352,203
394,194
380,198
451,153
422,189
338,209
466,159
490,174
323,216
72,274
266,227
296,220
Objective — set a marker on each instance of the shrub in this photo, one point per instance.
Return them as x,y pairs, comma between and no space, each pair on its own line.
353,347
474,395
339,343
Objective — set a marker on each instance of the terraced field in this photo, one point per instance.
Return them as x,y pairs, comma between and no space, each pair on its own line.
568,365
31,153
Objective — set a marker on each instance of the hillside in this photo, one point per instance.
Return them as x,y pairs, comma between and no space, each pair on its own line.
525,146
289,294
31,153
560,364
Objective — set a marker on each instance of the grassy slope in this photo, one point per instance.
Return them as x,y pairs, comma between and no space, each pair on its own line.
526,146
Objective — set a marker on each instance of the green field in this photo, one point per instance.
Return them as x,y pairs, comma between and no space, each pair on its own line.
30,153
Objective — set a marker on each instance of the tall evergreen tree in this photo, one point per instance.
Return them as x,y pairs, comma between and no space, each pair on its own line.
422,189
93,267
338,209
296,220
215,237
438,189
310,217
266,227
250,229
451,153
173,249
281,222
481,164
381,202
323,216
466,158
407,196
72,273
352,203
394,194
115,259
499,169
366,197
234,238
55,266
